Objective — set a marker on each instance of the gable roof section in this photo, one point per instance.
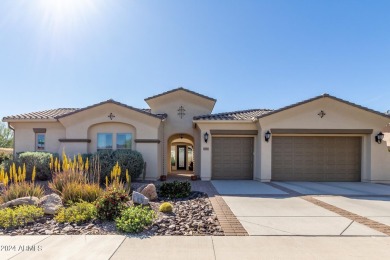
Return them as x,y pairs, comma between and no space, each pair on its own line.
178,89
111,101
324,96
54,114
236,115
46,114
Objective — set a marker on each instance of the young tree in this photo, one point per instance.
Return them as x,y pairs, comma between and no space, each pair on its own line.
6,136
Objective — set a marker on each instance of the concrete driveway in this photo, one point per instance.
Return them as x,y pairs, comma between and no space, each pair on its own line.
265,209
338,188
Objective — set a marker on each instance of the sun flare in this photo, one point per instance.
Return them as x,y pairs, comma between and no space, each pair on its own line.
66,8
65,22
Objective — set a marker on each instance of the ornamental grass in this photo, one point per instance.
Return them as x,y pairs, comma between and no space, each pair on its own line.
16,185
115,180
75,192
74,180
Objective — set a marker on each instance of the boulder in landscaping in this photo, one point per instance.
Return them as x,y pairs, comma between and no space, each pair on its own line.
20,201
139,198
140,188
51,203
149,191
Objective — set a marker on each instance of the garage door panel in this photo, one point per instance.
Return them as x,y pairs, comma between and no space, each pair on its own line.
232,158
316,158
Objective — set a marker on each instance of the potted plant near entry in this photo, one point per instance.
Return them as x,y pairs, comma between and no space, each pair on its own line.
163,178
194,177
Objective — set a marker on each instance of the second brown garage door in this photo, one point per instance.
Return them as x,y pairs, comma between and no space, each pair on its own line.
297,158
232,158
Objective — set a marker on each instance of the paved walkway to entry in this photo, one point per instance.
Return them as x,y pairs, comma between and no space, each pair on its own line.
286,209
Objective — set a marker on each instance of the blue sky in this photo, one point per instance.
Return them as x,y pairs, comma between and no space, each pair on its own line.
246,54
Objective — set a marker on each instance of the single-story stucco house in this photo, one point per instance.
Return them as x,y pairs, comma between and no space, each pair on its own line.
320,139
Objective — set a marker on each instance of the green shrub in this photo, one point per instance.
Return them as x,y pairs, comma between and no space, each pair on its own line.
75,192
5,156
166,207
41,160
20,190
8,163
135,219
111,203
77,213
19,216
176,189
127,159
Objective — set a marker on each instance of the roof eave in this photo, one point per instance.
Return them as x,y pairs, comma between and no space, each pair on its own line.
319,97
110,102
223,121
29,120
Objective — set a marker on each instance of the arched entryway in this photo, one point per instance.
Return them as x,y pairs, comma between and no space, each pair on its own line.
180,156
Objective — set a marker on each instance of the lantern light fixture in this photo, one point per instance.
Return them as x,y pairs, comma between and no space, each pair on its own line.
206,137
379,137
267,136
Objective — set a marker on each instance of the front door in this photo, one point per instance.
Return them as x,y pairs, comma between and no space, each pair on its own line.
181,157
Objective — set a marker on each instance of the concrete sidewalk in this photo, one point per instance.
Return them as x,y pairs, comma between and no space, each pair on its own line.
170,247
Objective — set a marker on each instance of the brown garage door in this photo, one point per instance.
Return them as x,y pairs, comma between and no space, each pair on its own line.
316,158
232,158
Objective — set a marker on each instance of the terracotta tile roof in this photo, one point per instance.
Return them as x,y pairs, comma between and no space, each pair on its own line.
46,114
184,89
63,112
144,111
236,115
325,96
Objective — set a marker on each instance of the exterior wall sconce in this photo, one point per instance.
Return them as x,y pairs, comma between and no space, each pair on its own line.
379,137
206,137
267,136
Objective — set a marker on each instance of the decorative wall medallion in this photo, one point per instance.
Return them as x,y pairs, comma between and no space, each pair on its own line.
111,116
181,111
321,114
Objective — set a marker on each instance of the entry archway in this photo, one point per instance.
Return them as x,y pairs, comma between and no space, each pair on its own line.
180,159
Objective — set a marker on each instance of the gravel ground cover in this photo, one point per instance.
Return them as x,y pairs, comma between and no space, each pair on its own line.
191,216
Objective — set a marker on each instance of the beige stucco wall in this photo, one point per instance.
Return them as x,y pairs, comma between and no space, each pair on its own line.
25,136
197,151
375,158
174,124
86,124
386,139
206,148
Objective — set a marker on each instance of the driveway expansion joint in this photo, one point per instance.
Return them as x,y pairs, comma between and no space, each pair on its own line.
385,229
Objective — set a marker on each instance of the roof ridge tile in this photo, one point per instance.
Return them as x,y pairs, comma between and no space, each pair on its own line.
177,89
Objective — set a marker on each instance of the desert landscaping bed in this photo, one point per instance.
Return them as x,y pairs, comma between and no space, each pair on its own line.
192,216
76,197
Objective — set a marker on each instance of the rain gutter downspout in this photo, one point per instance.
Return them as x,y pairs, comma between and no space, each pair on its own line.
13,140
